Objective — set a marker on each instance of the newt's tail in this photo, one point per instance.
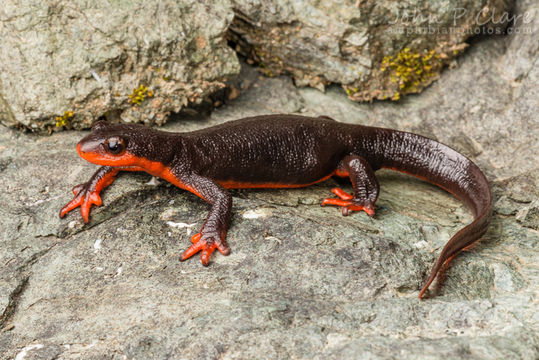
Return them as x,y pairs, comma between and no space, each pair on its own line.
441,165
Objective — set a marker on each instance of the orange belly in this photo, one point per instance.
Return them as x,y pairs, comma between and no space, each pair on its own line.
231,184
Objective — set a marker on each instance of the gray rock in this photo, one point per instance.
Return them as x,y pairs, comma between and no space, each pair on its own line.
529,216
66,65
374,49
301,281
79,61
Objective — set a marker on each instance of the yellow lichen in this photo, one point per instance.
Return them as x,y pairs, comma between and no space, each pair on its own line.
139,94
409,70
351,91
63,120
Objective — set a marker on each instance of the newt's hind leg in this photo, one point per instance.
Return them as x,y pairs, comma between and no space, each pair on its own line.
364,183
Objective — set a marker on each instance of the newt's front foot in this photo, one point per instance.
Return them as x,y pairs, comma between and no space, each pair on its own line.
85,197
206,242
348,203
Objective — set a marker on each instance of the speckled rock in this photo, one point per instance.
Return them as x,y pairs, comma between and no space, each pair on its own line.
78,60
66,64
374,49
302,281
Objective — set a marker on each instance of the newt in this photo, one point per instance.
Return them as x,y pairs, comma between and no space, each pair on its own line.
280,151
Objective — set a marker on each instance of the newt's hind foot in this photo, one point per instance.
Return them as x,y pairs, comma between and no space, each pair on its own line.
206,243
348,203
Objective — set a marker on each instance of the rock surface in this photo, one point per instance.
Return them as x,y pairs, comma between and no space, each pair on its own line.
68,63
301,281
375,49
82,60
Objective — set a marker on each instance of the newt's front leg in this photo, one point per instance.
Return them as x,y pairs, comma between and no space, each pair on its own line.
87,194
213,232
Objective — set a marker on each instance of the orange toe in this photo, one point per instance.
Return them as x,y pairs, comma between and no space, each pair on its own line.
192,250
347,205
342,194
206,246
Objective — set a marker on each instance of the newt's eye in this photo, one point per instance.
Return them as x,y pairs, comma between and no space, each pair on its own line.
115,145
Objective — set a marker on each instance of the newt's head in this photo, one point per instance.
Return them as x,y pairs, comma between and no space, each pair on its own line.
119,144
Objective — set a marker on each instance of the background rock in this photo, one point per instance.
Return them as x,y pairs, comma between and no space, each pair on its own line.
88,57
68,63
375,49
301,281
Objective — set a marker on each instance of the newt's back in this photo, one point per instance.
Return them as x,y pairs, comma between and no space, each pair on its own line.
282,149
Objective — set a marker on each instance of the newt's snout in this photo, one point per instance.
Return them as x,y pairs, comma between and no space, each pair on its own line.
87,151
88,146
80,150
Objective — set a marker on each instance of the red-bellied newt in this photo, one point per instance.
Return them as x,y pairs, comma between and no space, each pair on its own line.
280,151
